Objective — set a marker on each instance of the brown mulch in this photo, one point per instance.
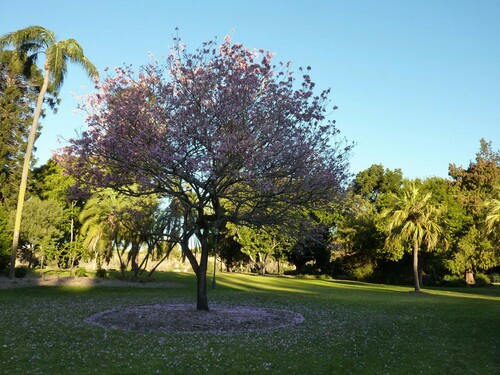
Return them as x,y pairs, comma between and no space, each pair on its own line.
168,318
184,318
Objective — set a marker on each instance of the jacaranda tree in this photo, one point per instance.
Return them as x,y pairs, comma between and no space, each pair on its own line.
224,131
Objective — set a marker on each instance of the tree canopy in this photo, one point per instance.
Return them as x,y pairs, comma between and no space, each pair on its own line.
225,131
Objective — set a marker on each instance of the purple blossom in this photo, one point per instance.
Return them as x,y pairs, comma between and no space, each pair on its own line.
220,130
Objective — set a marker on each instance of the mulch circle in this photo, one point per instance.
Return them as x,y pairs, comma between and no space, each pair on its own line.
184,318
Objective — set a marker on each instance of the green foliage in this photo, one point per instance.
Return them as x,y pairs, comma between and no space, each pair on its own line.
5,239
413,221
110,219
49,182
454,282
41,229
492,220
375,181
34,40
481,280
474,252
27,44
21,271
19,88
100,224
456,220
229,249
495,278
101,273
358,242
477,182
81,272
260,245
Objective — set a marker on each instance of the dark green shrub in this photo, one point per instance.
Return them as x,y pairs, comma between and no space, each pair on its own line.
429,280
324,277
20,271
453,282
5,240
495,278
101,273
4,258
81,272
482,280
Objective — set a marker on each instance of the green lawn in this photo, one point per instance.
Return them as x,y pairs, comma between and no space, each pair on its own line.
349,328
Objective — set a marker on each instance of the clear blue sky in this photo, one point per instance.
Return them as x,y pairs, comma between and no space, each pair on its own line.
417,83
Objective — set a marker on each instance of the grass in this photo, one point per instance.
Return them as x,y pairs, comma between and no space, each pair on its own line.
349,328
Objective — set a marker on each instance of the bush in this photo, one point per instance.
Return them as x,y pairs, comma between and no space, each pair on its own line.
20,271
495,278
4,258
453,282
429,280
482,280
101,273
324,277
81,272
5,240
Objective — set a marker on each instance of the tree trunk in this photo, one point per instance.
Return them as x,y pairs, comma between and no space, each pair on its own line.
171,245
199,269
469,277
415,266
201,293
24,177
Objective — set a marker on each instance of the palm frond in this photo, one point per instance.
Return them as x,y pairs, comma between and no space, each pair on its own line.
74,53
28,39
56,64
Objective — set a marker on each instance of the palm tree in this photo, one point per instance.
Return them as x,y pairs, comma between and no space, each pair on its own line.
493,212
31,42
100,224
412,219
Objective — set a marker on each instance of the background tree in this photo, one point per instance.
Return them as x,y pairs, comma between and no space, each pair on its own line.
29,43
49,182
358,242
473,253
477,182
100,224
476,248
413,220
493,212
42,228
4,238
229,249
221,124
371,183
19,89
259,244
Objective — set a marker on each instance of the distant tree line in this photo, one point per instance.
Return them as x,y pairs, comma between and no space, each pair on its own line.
351,239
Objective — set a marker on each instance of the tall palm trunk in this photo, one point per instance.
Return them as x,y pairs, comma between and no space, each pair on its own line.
24,177
415,266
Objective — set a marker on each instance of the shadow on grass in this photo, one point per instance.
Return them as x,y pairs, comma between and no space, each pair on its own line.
249,283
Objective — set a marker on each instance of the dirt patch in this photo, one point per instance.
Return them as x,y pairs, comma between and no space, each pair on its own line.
184,318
